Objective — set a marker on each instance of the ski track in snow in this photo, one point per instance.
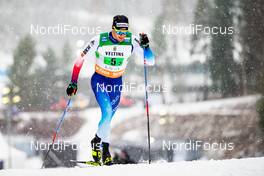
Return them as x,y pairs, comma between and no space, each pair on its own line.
232,167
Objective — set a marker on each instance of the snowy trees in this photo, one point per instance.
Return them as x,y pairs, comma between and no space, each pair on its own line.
245,75
39,86
19,73
226,72
221,62
217,47
253,44
253,49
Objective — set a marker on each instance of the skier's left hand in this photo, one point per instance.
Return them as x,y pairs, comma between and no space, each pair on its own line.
71,89
143,40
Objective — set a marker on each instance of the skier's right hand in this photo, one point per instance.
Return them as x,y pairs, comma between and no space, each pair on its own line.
143,40
71,89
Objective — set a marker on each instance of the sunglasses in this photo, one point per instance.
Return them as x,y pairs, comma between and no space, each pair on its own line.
121,32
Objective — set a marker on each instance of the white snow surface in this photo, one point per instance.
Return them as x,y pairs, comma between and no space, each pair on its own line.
17,157
233,167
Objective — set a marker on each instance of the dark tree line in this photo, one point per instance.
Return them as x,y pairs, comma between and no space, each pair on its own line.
233,77
39,86
253,44
230,77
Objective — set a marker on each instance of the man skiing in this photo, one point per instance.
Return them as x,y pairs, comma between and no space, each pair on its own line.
112,50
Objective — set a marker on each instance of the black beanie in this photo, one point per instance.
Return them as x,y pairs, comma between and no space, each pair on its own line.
120,22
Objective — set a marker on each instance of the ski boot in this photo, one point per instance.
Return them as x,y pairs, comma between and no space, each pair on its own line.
96,149
106,158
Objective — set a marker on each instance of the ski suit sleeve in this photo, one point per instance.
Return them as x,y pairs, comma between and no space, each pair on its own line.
90,47
143,52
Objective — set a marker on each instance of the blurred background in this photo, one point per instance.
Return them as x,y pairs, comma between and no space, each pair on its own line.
207,84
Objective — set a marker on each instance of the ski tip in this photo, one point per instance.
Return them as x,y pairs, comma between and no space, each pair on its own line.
92,163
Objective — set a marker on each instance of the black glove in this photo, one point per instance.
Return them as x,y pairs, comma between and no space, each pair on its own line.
143,40
71,89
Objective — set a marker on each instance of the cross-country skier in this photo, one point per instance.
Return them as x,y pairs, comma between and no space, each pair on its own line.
112,51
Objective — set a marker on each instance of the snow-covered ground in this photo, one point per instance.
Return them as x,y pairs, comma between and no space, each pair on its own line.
92,117
220,106
10,154
233,167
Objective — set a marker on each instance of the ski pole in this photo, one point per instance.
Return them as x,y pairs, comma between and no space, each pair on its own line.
56,131
147,106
